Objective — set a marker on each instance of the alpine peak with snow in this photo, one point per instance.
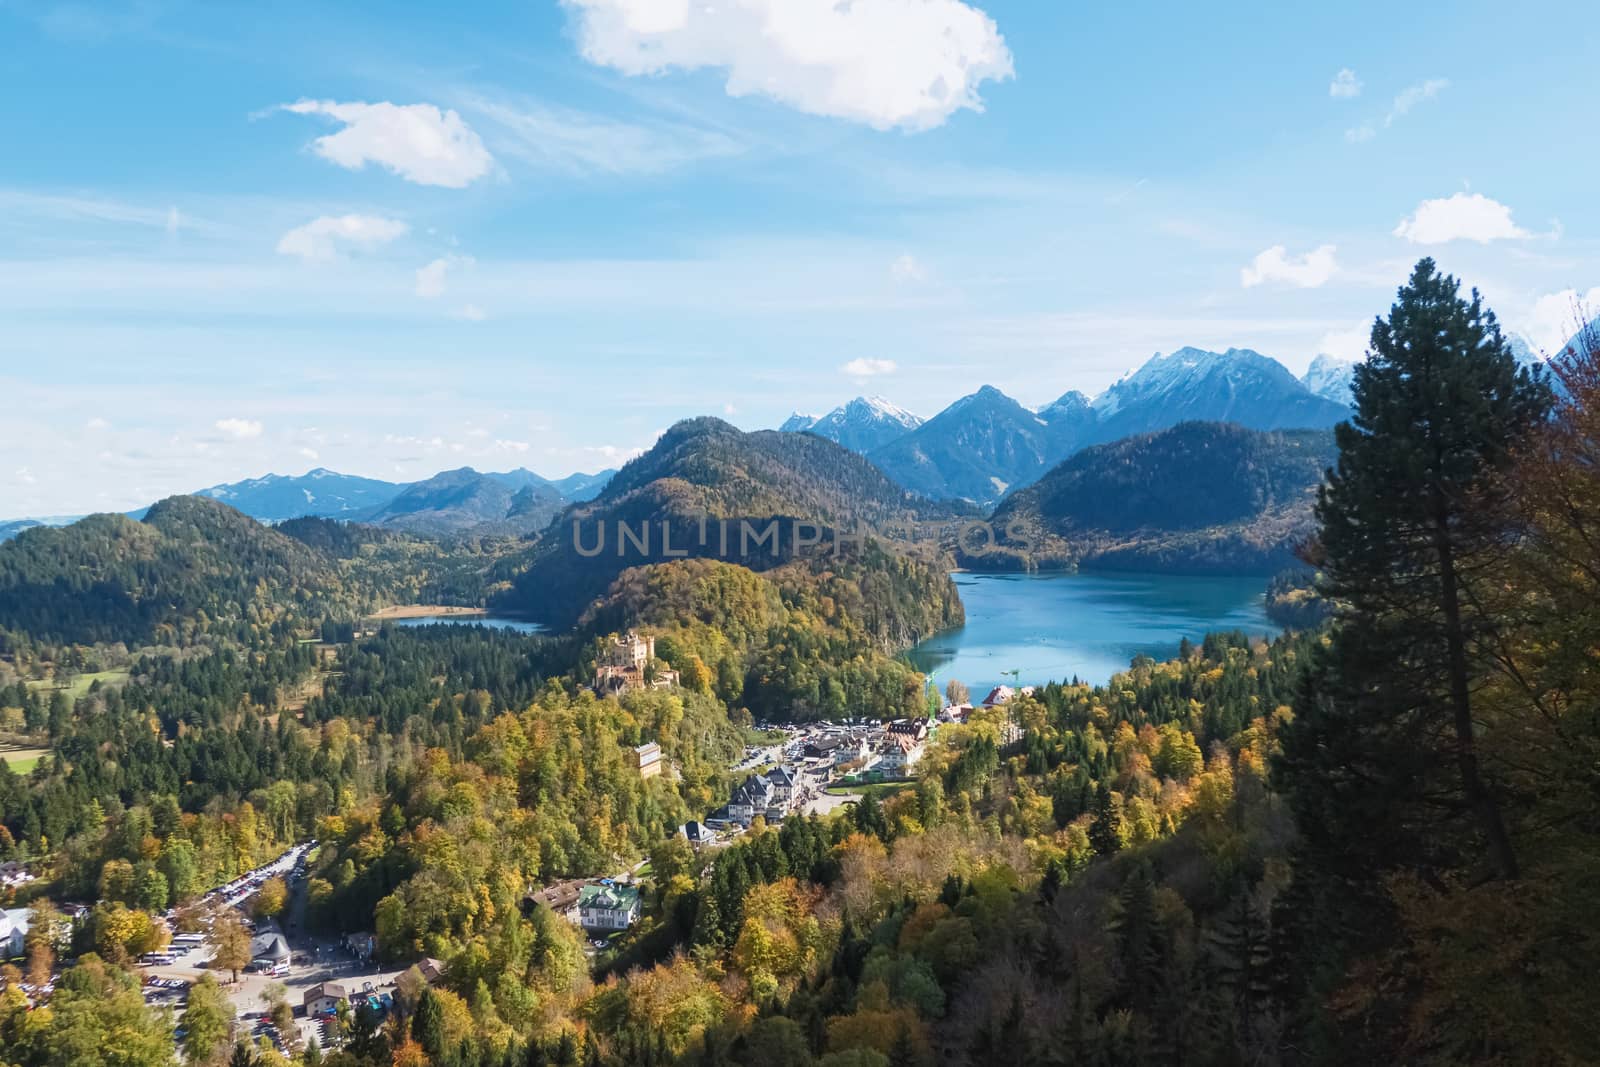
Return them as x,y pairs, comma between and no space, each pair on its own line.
861,425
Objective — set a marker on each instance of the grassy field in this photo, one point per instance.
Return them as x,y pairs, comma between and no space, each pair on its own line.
80,685
22,760
877,789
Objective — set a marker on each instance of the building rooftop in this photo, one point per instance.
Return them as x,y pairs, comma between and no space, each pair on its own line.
610,897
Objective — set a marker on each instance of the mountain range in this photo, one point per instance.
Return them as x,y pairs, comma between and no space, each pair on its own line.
504,502
464,500
986,444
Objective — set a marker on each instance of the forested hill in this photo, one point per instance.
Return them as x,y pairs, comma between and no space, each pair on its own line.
196,566
190,563
1201,496
707,465
717,491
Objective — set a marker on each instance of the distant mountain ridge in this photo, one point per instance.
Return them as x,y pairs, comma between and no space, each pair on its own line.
464,500
530,501
861,425
986,444
1197,497
982,445
320,492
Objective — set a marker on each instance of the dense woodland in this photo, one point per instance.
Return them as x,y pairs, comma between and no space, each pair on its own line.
1371,840
1131,504
814,638
706,490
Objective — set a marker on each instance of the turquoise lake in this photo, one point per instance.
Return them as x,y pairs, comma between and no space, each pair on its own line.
1050,627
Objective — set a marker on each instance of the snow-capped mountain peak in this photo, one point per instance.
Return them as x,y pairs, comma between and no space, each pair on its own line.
861,425
1329,377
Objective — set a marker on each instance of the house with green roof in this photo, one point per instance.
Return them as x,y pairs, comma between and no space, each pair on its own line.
608,907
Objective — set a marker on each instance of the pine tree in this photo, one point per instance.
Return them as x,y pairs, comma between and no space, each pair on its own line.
1384,739
427,1023
1103,831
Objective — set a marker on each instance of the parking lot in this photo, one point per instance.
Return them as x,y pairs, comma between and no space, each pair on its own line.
313,960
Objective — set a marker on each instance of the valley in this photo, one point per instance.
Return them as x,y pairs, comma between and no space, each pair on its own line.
598,781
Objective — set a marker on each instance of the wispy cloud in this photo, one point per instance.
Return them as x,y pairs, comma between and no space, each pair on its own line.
577,142
1402,105
1345,85
321,239
239,429
419,142
908,268
431,278
63,207
869,368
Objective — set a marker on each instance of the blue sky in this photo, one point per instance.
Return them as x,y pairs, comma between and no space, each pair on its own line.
395,238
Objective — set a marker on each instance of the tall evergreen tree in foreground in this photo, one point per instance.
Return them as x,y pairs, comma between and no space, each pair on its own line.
1382,760
1412,521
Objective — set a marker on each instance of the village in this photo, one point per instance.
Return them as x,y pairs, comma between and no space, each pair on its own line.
296,989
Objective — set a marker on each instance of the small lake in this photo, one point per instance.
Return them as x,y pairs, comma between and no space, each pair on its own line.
1050,627
492,622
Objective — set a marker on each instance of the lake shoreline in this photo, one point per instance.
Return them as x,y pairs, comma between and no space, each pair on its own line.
1032,628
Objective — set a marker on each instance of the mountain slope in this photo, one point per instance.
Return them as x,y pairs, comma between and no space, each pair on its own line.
715,491
1196,497
862,425
1330,379
8,530
464,500
320,492
983,445
572,487
192,563
581,487
1238,386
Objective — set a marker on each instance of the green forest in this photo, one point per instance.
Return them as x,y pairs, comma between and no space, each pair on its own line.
1371,839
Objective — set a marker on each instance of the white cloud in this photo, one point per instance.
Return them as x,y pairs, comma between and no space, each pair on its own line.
869,368
25,476
1555,317
240,429
1276,265
1462,217
512,446
1349,345
1402,105
472,313
886,63
1413,95
321,238
309,453
97,423
416,141
1345,85
430,279
908,268
174,221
